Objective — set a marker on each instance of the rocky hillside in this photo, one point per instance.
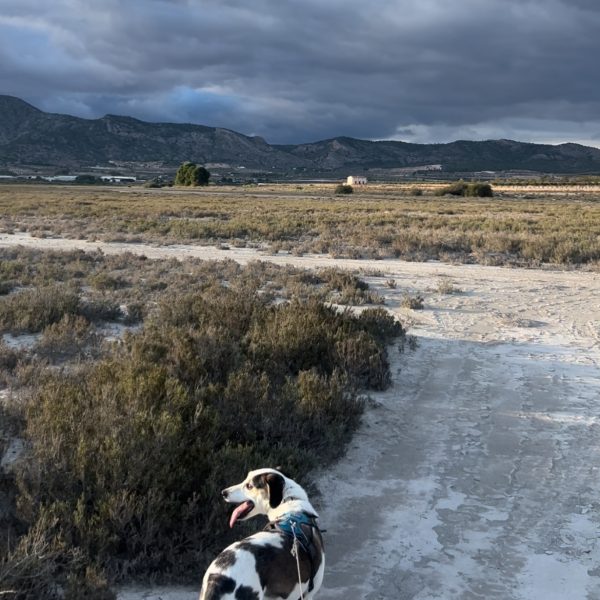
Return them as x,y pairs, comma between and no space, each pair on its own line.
30,136
494,155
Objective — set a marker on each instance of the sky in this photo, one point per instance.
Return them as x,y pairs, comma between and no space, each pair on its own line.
296,71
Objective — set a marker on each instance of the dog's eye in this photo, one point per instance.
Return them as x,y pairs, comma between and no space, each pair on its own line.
249,486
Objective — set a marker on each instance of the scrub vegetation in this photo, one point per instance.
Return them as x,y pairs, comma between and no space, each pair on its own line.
138,389
127,443
375,222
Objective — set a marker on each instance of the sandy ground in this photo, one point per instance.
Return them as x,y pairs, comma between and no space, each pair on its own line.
476,475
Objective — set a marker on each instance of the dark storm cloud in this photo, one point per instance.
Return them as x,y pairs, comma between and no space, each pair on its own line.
420,70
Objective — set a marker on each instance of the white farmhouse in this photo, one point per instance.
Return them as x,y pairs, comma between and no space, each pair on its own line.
356,180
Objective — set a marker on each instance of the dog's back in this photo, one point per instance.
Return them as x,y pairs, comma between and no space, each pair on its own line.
263,565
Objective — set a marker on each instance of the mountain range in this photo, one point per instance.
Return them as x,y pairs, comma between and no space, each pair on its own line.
29,136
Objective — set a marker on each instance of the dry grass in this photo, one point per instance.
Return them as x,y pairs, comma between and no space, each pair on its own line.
383,221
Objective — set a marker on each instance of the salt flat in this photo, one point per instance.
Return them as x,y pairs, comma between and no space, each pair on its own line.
476,474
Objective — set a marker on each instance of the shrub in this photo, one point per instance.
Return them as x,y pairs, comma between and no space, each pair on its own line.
363,360
72,337
133,312
356,297
343,188
454,189
416,302
445,286
347,288
9,357
460,188
330,411
101,309
32,568
480,190
337,279
6,287
157,182
33,310
104,281
295,337
382,325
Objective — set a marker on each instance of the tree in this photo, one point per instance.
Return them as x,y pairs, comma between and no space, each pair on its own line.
190,173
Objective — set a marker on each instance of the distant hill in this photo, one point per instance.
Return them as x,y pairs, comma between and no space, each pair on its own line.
493,155
29,136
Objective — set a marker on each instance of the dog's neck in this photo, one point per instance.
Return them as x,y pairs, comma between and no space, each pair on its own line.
294,500
291,505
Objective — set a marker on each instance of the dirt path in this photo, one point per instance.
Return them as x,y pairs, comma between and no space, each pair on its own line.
476,475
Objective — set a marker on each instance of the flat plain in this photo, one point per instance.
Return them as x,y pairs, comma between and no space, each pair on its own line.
527,227
473,474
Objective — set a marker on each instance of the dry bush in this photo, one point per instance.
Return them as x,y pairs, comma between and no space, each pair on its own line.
100,309
73,337
460,188
33,310
445,286
346,288
383,326
128,454
9,357
36,569
414,302
343,188
105,281
363,360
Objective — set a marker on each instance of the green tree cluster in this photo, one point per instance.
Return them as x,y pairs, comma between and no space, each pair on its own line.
190,173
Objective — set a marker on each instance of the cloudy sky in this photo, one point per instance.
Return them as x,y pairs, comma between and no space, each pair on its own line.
301,70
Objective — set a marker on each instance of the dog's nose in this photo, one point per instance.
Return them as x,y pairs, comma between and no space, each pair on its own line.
225,493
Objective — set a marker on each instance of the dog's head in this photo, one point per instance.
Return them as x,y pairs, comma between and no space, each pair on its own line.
262,493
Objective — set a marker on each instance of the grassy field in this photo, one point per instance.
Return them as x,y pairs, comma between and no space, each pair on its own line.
380,221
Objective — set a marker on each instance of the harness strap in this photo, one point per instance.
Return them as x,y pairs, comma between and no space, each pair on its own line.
296,555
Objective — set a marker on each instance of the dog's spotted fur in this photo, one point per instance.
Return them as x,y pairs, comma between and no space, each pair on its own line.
262,566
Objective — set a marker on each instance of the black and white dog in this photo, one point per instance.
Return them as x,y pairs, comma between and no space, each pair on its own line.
265,565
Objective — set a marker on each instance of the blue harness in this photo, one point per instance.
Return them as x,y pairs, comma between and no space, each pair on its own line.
295,525
291,525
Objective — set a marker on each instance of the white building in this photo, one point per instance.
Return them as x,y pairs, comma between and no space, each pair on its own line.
356,180
118,179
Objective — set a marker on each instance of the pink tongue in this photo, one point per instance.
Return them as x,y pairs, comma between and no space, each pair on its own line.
245,506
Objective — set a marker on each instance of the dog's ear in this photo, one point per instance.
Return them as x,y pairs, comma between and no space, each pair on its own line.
275,483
